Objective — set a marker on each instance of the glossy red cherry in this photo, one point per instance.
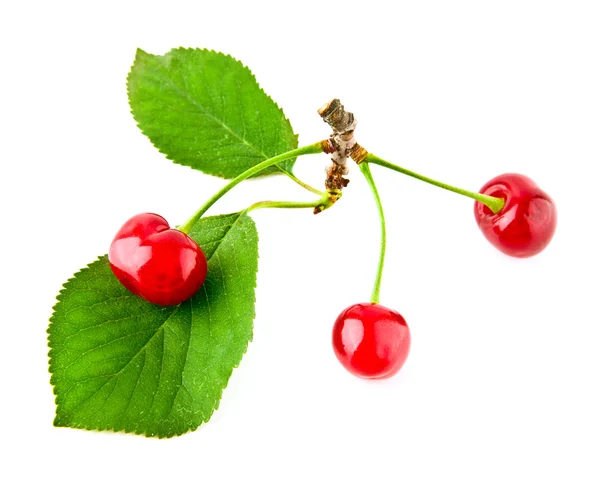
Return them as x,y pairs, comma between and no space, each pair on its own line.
162,265
526,223
371,341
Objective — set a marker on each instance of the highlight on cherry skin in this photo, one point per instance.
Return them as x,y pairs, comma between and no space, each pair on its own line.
371,341
164,266
527,221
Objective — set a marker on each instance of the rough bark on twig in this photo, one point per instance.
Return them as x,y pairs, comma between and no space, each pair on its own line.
342,143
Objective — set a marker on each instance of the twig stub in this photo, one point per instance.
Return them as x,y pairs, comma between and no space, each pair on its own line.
340,144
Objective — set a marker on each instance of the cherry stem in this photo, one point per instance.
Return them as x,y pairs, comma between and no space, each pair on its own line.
322,203
315,148
364,167
296,179
495,204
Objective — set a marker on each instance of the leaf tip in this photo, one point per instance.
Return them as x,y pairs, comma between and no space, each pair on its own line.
140,53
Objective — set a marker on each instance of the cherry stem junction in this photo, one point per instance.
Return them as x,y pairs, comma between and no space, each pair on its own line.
495,204
315,148
364,167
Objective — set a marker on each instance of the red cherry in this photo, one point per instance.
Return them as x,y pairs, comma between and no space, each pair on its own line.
371,341
526,223
162,265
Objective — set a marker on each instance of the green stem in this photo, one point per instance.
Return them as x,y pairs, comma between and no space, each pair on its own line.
324,202
309,149
493,203
364,167
295,178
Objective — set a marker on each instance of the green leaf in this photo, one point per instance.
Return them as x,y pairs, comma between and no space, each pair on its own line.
120,363
205,110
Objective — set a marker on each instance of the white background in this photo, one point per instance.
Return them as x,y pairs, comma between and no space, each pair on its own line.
500,391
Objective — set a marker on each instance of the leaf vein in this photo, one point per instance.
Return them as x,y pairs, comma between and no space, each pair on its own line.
204,112
118,373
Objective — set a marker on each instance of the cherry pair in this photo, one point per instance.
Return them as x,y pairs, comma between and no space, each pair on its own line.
372,341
